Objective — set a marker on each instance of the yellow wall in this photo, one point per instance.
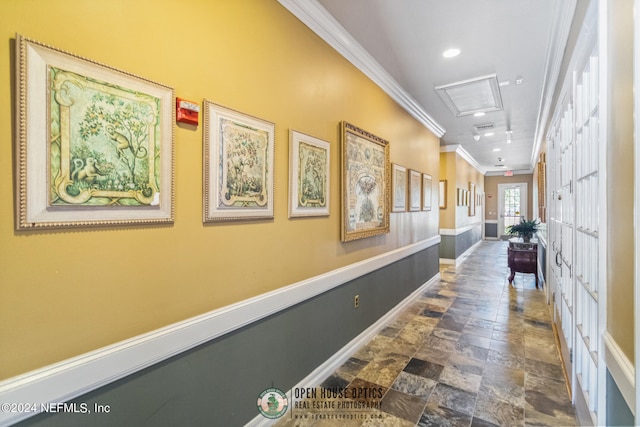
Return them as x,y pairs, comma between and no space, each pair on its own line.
458,173
63,293
620,178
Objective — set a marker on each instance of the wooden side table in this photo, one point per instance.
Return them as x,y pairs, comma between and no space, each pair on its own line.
522,257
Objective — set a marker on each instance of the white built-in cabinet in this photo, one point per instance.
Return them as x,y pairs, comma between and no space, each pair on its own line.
576,222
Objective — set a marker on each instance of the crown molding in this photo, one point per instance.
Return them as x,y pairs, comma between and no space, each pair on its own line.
321,22
514,172
563,18
457,148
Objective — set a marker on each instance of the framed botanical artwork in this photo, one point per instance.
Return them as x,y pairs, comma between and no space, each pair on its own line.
415,190
366,174
426,192
95,144
399,184
472,199
238,153
308,175
443,193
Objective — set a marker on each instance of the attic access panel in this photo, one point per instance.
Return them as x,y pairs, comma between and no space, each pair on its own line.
481,94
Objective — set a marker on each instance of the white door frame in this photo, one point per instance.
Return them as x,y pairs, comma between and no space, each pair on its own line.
523,203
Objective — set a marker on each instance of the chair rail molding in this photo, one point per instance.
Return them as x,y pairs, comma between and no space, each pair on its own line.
77,376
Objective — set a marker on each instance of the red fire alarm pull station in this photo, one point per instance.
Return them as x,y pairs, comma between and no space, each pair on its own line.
187,112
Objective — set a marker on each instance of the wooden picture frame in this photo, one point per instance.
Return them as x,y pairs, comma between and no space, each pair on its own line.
309,175
94,144
415,190
472,199
426,192
238,156
442,199
366,176
399,184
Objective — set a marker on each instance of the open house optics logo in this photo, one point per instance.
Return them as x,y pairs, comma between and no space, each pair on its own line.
273,403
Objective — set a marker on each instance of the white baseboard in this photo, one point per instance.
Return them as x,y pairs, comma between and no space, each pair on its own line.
77,376
621,369
315,378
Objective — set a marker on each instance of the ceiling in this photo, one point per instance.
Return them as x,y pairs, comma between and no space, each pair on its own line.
516,46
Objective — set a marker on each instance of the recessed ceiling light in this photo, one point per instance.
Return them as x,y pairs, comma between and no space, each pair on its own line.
450,53
496,149
480,114
488,134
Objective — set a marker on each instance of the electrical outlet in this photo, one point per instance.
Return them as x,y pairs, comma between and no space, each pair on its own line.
356,301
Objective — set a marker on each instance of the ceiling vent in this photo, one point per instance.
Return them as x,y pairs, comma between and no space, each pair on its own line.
484,127
467,97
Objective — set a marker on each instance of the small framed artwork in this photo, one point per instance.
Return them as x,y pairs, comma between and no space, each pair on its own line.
443,193
426,192
415,190
472,199
238,152
366,176
308,175
399,184
94,144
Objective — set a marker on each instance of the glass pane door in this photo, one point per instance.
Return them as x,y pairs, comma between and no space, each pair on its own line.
512,200
512,210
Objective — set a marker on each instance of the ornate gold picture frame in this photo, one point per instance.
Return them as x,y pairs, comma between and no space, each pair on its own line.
95,144
366,174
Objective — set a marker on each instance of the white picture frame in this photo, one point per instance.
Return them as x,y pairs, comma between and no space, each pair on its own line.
309,175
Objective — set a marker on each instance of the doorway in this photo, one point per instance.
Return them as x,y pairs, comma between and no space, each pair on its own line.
512,205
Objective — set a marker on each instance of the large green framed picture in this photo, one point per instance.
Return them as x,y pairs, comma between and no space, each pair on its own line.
95,144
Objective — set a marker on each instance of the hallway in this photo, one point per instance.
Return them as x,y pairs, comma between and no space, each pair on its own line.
471,351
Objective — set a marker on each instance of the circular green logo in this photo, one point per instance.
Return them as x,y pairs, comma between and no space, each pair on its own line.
273,403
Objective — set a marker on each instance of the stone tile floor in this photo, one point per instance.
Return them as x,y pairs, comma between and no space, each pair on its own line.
470,351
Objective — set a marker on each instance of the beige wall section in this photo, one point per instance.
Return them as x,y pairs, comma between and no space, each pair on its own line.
465,174
459,173
448,173
491,189
68,292
620,178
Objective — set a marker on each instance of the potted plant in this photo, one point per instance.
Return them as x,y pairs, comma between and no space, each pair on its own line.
525,230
